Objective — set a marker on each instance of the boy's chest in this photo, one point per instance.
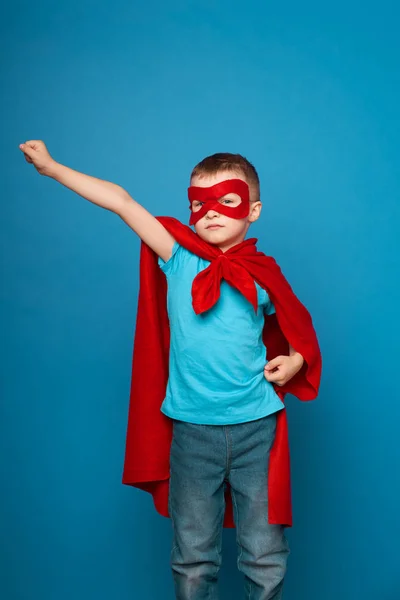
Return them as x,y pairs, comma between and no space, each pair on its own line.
232,312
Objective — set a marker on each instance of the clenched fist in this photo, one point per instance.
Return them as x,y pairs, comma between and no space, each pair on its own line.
36,153
282,368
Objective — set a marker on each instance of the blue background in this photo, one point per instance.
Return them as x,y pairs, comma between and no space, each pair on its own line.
138,93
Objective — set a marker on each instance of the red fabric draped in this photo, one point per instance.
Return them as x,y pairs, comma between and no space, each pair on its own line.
149,431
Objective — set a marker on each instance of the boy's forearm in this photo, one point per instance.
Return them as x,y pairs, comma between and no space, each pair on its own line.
296,355
103,193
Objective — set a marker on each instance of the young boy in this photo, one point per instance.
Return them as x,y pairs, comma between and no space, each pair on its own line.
210,306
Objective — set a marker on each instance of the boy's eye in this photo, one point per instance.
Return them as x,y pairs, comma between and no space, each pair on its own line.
197,204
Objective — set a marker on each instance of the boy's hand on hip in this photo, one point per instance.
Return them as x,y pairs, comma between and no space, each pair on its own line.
281,369
36,153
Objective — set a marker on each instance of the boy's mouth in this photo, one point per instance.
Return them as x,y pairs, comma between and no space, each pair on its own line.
214,226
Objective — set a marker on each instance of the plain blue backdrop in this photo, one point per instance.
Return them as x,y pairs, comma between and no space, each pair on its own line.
138,93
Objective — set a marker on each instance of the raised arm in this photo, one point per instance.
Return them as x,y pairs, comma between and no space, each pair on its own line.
105,194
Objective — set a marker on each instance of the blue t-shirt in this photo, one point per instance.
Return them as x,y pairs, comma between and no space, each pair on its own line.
217,358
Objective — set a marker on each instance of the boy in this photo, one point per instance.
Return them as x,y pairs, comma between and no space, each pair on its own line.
210,305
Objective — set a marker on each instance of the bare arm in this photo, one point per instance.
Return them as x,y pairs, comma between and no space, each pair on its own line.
292,352
105,194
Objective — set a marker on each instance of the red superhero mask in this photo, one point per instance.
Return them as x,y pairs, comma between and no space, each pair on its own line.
210,197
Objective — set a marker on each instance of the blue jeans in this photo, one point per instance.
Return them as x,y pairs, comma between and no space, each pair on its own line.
203,458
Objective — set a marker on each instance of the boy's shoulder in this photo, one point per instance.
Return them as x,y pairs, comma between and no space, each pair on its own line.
180,257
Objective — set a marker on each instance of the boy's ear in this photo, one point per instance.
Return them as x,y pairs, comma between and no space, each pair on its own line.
255,210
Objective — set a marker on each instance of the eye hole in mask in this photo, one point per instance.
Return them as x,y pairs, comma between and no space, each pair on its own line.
232,201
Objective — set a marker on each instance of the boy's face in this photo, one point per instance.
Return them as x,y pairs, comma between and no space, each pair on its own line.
215,227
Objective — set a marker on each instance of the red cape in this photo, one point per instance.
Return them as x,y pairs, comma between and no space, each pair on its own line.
149,431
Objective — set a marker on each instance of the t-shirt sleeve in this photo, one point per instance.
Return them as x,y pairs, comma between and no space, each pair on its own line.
172,264
269,308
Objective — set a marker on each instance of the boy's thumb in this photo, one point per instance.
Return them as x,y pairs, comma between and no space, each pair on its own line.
271,365
27,149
